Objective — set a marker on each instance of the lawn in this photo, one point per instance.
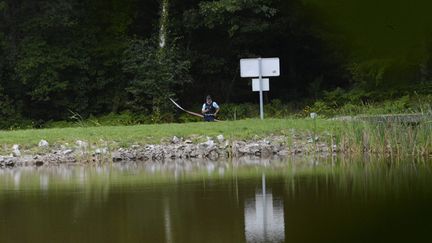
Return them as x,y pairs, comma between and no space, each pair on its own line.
127,135
349,136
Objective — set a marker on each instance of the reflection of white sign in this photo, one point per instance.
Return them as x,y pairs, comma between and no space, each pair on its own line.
264,218
256,84
249,68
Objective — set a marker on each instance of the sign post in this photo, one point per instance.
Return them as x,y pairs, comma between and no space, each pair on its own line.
261,89
260,67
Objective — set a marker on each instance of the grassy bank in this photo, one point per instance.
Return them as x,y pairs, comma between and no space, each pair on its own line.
348,136
154,133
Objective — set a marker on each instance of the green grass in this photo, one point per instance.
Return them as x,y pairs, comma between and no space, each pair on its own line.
350,137
128,135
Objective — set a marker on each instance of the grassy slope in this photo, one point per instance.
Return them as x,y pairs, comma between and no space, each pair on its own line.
126,135
382,138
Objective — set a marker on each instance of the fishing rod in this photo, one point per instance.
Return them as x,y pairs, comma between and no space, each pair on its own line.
189,112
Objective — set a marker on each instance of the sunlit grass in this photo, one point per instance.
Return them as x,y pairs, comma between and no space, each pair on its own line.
348,136
154,133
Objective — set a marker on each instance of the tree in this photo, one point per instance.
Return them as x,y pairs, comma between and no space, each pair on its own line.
154,75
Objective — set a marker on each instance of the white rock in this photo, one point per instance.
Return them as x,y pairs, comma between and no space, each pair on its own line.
334,148
67,151
81,144
220,138
15,150
101,151
175,140
209,143
43,143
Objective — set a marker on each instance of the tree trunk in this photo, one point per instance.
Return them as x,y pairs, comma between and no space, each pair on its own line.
163,23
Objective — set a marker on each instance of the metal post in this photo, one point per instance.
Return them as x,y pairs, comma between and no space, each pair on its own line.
261,89
264,206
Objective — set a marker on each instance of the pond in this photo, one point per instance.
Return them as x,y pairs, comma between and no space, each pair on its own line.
301,200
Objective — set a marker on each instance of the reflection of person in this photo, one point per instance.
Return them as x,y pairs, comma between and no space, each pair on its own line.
210,109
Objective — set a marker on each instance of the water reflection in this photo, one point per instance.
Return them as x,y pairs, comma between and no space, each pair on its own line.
80,175
43,181
17,179
207,201
264,217
167,222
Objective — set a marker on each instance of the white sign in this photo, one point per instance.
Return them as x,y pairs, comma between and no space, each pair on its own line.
249,68
256,84
264,217
260,67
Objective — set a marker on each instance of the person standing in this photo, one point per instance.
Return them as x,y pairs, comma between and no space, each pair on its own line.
210,109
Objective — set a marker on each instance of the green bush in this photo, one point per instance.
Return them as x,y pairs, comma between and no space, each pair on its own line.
338,104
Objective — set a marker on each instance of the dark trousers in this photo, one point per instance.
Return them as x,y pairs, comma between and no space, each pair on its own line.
209,118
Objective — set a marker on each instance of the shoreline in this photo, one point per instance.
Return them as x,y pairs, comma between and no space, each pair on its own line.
214,149
218,141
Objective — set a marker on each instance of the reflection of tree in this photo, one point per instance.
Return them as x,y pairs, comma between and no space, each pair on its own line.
264,217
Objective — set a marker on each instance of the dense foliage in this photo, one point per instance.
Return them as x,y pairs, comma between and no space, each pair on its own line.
95,57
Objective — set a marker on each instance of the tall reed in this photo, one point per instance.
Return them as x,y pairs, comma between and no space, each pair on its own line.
389,138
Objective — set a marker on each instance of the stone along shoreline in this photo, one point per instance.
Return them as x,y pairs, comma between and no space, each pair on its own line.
217,148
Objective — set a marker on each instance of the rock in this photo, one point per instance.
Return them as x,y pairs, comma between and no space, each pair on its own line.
117,157
175,140
169,153
254,149
213,155
224,145
39,163
81,144
267,150
220,138
334,148
43,143
15,150
101,151
10,162
67,151
297,151
238,148
209,143
322,147
283,152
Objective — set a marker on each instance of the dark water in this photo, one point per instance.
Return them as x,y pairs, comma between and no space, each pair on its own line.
277,201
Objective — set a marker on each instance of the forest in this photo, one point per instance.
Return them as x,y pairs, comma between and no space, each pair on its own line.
91,58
